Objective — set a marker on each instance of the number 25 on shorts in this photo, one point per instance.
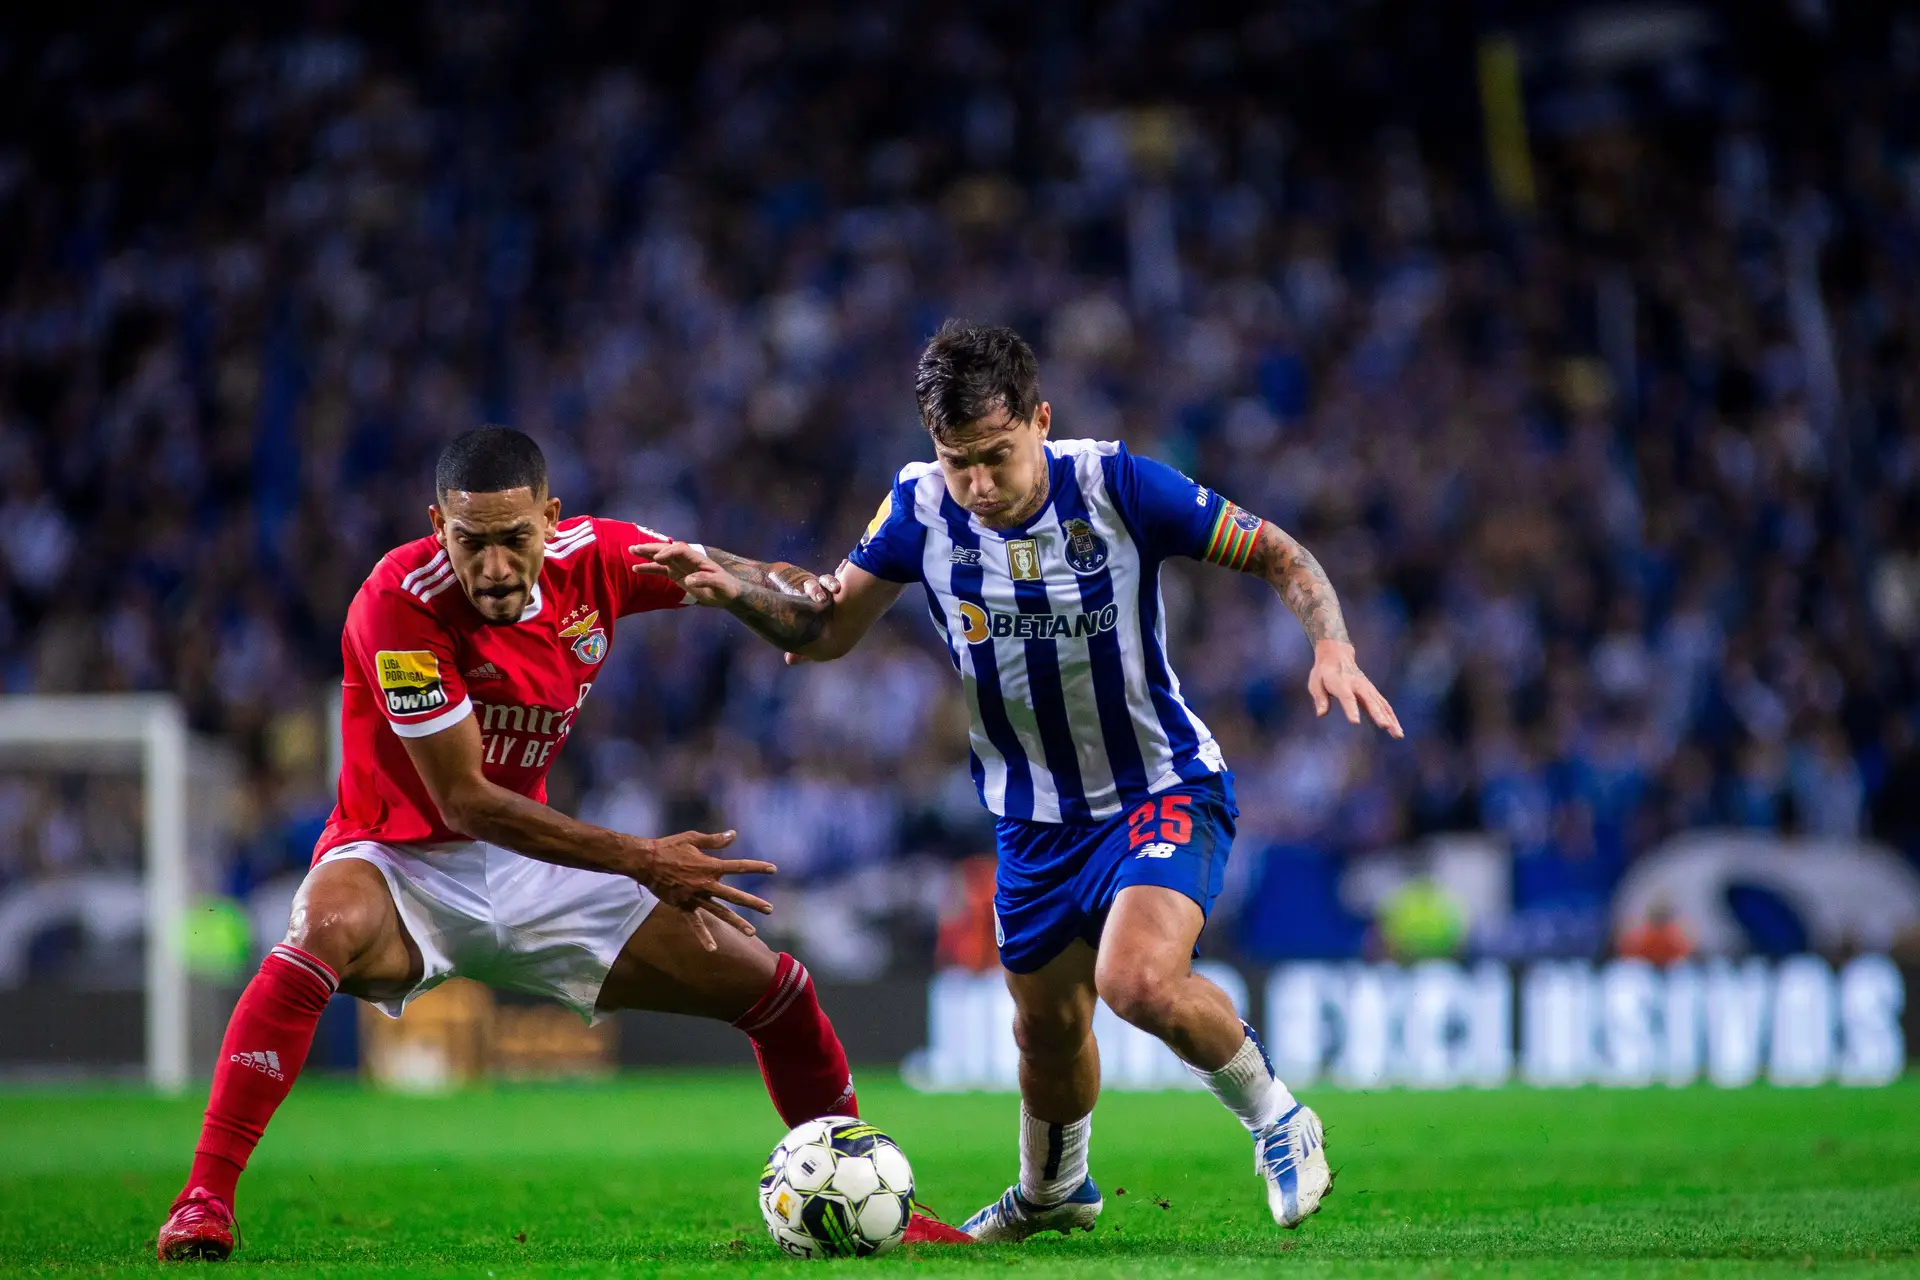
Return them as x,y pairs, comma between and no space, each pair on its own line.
1176,825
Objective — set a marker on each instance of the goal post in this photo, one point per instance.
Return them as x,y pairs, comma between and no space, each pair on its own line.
150,731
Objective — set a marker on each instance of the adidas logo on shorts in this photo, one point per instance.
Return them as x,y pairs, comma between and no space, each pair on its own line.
263,1060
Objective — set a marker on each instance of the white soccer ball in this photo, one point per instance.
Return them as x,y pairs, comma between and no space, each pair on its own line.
836,1187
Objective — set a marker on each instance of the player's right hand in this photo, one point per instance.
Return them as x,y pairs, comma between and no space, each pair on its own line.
699,574
683,875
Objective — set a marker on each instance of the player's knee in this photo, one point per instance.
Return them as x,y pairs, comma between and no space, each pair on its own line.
1139,994
337,922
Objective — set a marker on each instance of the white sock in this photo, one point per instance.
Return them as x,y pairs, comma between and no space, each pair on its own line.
1247,1086
1053,1157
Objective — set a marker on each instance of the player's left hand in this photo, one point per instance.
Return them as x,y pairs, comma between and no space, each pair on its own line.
821,589
1336,677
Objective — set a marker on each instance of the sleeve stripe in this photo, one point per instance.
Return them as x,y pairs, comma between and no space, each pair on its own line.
445,720
1221,523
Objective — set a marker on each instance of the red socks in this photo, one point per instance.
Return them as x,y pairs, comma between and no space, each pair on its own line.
800,1057
266,1042
272,1028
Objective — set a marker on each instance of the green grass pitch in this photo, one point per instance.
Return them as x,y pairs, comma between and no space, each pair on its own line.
655,1175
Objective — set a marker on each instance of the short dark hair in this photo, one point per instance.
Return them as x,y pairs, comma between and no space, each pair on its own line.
969,368
490,460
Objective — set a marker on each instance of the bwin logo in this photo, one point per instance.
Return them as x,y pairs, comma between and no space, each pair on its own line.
978,625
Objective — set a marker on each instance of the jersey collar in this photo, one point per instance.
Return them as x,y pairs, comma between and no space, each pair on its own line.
532,610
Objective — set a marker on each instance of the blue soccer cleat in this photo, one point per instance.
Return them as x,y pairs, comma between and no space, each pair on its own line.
1291,1154
1013,1217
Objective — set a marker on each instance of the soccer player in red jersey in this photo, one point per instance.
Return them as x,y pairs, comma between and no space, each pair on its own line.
468,654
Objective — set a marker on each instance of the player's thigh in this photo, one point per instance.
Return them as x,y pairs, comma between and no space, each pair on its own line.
344,914
1158,889
1053,1005
1149,941
664,968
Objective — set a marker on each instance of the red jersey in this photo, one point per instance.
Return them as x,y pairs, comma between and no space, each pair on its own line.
420,659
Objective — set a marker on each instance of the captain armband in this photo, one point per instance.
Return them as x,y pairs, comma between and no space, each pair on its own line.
1230,543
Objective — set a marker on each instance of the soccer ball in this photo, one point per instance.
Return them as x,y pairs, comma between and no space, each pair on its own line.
836,1187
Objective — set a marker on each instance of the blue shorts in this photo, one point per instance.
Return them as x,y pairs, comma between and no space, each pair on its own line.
1057,882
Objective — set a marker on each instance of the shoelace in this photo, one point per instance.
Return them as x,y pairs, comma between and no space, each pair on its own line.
1007,1207
1287,1158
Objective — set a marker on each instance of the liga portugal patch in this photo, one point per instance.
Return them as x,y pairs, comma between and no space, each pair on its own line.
410,679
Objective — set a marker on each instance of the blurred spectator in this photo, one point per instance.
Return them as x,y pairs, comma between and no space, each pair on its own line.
1659,939
1620,495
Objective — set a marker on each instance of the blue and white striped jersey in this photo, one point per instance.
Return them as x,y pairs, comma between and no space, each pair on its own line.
1057,627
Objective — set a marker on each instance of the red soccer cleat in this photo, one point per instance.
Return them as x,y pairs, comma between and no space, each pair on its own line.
924,1228
199,1228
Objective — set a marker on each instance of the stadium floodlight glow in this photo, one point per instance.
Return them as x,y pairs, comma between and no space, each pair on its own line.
153,725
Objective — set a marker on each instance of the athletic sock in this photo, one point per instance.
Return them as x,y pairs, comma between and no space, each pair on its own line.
800,1056
266,1043
1247,1086
1053,1157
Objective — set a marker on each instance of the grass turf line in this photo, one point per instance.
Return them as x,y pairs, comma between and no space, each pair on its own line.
656,1175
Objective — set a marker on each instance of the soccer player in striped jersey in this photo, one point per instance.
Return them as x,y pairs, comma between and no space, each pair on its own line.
1041,562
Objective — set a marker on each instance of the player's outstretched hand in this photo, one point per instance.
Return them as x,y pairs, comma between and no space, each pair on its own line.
1336,677
705,578
697,572
683,875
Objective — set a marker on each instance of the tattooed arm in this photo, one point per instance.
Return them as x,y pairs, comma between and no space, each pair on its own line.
809,617
1241,540
1291,570
776,575
781,602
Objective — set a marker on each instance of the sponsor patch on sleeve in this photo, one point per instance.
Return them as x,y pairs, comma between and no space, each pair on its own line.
879,517
410,679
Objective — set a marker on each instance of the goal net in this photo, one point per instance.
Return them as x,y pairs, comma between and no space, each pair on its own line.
111,818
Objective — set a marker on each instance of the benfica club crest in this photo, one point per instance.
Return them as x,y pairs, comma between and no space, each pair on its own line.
589,641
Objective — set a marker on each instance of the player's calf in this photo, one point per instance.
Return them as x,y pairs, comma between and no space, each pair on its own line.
1161,995
800,1055
265,1046
343,910
1059,1058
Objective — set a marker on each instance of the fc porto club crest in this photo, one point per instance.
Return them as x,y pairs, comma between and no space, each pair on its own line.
1086,551
589,641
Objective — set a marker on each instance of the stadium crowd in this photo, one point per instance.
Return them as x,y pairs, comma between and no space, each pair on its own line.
1622,491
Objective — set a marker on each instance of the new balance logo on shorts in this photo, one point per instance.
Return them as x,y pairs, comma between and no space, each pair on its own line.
1158,849
265,1060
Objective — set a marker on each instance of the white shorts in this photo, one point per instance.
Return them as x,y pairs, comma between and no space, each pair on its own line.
479,911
